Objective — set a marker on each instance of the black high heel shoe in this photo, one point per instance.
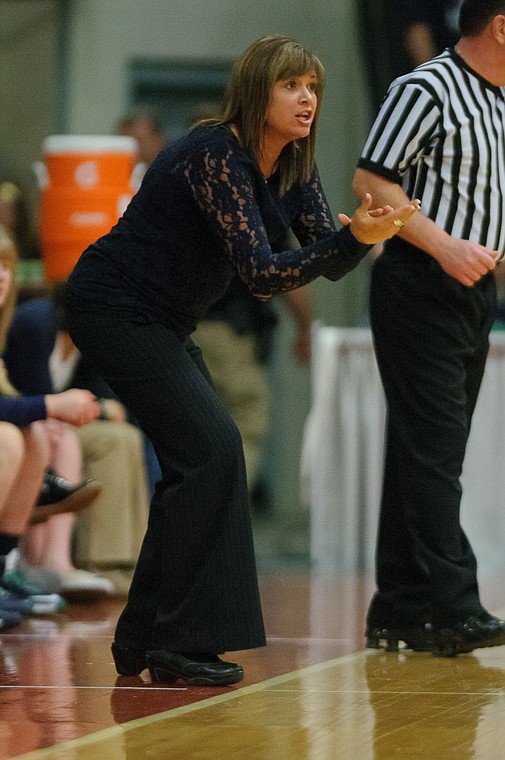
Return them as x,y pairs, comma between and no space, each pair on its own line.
419,638
194,668
128,662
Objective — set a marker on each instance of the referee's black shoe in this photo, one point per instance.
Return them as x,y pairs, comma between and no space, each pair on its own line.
475,632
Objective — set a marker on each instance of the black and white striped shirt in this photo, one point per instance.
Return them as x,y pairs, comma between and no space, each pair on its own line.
440,133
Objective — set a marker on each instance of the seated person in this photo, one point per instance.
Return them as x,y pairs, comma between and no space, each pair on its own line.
34,430
41,358
22,463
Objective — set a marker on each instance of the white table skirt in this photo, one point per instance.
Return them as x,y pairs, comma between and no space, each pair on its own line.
342,455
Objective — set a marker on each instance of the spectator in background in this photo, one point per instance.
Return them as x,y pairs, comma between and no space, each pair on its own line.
427,27
44,439
112,456
41,358
46,550
16,219
398,35
147,128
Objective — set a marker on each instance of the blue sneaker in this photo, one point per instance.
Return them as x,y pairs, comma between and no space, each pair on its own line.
10,602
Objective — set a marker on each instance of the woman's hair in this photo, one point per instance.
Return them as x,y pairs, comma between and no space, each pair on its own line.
475,15
8,257
247,97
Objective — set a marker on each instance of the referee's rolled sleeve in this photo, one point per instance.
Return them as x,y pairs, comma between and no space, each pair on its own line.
383,171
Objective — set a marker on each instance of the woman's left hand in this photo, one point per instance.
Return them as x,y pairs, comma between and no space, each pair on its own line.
370,226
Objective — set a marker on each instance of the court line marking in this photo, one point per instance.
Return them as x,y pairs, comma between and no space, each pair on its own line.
113,731
145,687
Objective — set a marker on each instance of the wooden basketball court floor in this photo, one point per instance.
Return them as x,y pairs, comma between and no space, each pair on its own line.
314,693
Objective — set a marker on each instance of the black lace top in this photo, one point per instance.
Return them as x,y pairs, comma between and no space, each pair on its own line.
203,212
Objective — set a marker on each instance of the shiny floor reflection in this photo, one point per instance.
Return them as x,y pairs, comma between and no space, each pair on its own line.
311,694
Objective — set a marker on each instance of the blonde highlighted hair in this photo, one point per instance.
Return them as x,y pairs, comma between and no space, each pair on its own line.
269,60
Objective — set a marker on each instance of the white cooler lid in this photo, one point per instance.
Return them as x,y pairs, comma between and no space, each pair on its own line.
89,144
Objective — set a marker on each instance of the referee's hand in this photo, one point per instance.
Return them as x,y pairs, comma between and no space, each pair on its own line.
466,261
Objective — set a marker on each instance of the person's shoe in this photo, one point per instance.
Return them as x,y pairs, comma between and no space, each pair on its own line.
14,580
195,669
83,586
9,619
46,604
128,661
10,602
419,637
46,580
476,632
58,495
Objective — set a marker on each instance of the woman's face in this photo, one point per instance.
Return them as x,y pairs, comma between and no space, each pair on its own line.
5,281
291,110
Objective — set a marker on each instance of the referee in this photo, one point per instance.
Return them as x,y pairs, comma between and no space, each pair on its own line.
439,136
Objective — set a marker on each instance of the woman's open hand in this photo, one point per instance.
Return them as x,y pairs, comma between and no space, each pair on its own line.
370,226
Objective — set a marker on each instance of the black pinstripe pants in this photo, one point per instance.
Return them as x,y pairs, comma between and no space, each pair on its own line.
431,341
195,584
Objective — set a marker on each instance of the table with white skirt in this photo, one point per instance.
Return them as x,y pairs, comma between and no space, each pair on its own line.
343,450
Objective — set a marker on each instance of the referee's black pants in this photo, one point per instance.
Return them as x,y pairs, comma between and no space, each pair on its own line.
195,585
431,341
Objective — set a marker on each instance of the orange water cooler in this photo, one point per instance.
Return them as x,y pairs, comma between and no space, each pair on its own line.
86,182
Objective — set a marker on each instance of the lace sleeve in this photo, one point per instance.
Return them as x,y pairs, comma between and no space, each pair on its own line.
315,222
222,184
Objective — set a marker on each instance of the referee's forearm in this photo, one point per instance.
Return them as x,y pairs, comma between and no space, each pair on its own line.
382,190
419,230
